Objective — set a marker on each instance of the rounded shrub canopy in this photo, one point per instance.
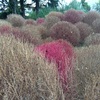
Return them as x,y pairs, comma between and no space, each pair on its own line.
65,30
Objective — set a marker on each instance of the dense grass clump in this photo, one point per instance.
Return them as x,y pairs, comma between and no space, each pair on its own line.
33,31
56,14
73,16
85,30
96,25
50,21
16,20
30,22
24,74
67,31
88,72
90,17
93,39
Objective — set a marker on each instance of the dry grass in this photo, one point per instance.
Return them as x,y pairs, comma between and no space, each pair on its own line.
88,72
26,75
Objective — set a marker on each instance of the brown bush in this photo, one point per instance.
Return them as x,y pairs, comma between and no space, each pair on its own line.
43,31
85,30
96,25
88,72
67,31
24,74
16,20
5,27
56,14
50,21
73,16
93,39
30,22
33,31
90,17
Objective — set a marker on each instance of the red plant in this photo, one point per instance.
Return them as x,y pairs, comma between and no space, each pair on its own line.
61,53
40,20
67,31
73,16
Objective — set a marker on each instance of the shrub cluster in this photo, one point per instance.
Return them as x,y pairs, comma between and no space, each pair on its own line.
38,61
88,72
24,74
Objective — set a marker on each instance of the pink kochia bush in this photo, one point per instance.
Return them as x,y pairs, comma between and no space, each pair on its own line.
61,53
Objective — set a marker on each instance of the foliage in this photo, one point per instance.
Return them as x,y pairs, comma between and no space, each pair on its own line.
93,39
88,72
90,17
16,20
85,30
96,25
67,31
24,74
61,53
72,16
50,21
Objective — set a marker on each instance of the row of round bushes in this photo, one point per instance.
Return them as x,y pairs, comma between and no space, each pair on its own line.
72,25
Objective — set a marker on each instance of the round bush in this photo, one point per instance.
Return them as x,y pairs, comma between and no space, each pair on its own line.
61,53
30,22
90,17
50,21
5,27
72,16
24,36
67,31
93,39
85,30
96,25
16,20
56,14
42,31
